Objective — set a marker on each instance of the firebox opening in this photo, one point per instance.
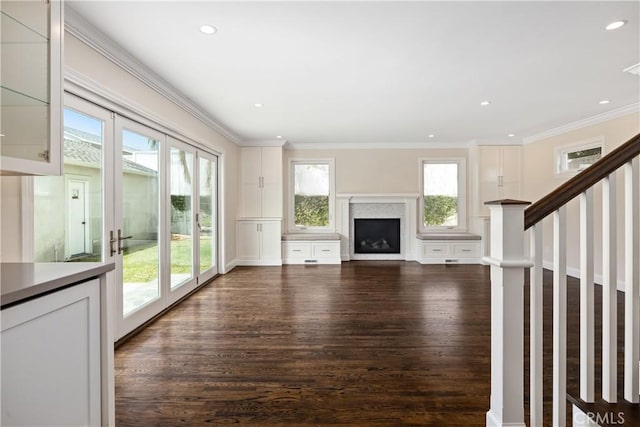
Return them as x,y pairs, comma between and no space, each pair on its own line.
376,236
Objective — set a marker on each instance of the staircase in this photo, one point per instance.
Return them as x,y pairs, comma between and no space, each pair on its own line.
612,398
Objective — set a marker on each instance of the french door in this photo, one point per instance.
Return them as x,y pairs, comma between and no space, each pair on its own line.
135,196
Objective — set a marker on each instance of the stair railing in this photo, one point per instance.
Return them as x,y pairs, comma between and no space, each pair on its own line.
509,221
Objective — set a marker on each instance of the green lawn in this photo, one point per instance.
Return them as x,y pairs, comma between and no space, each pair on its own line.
141,262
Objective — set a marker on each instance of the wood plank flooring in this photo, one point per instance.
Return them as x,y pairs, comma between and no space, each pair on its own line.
366,343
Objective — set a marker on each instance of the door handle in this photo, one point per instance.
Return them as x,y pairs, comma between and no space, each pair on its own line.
112,240
120,239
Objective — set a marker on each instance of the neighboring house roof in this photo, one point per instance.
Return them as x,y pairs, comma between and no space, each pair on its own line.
85,149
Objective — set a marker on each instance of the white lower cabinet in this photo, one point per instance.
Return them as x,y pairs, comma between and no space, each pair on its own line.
259,242
308,252
450,251
50,349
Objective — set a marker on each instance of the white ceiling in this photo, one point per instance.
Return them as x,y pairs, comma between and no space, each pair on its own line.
384,72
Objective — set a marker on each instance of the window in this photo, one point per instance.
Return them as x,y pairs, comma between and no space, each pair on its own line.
311,198
443,194
571,159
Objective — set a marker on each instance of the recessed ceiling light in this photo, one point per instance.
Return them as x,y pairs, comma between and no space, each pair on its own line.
615,25
208,29
432,136
604,101
511,135
279,136
485,103
258,105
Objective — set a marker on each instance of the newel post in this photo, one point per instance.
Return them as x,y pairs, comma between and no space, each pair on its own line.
507,312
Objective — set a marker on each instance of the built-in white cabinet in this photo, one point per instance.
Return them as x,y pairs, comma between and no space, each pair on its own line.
495,174
51,359
259,242
261,181
31,81
311,252
450,252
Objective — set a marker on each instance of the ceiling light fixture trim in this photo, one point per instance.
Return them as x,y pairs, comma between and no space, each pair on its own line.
615,25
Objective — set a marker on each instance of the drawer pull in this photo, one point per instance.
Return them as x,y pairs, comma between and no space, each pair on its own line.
297,250
436,250
326,250
466,250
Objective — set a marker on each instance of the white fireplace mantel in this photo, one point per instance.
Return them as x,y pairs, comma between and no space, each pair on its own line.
408,237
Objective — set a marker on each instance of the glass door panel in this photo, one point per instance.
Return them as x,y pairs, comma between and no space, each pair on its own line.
181,228
138,219
207,215
69,217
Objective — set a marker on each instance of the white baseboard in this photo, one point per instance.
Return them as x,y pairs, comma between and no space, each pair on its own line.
230,266
575,272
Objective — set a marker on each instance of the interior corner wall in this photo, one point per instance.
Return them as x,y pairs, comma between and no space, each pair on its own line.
539,179
113,79
10,219
370,171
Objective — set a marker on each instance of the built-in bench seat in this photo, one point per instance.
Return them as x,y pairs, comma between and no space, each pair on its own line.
445,248
307,248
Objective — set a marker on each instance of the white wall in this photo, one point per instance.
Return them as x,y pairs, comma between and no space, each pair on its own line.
540,178
102,72
371,171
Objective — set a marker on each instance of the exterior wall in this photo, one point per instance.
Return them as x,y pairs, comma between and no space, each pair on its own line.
87,62
539,179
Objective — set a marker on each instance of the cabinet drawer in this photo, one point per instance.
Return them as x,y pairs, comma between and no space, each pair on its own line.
466,250
297,250
323,250
436,249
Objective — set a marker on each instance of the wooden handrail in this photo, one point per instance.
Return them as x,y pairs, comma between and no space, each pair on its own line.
581,182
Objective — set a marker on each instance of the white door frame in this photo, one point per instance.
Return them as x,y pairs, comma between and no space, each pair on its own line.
124,325
215,233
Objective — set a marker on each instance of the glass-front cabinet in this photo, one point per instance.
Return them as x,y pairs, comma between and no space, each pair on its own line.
31,79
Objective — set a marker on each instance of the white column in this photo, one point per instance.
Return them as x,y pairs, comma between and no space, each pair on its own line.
535,328
559,399
609,291
586,297
507,310
632,281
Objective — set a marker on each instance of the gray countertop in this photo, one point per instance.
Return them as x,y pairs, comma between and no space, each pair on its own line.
23,281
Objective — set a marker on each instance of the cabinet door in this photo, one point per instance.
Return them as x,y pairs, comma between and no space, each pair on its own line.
31,80
488,170
250,193
271,182
51,359
248,240
511,171
271,245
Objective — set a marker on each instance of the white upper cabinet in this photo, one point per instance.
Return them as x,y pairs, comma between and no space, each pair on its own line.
497,175
31,78
261,181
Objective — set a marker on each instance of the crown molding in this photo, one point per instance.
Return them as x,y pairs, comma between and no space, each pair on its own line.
264,143
78,27
589,121
374,145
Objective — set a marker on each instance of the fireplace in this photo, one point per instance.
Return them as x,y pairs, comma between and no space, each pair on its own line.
376,235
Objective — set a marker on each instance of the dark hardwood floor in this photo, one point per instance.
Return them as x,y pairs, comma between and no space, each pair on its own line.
362,344
366,343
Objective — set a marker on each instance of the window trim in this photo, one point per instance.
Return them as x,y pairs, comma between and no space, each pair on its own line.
291,226
462,195
562,150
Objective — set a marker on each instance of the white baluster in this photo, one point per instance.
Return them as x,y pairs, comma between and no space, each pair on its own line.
559,318
507,311
535,328
586,297
632,281
609,290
